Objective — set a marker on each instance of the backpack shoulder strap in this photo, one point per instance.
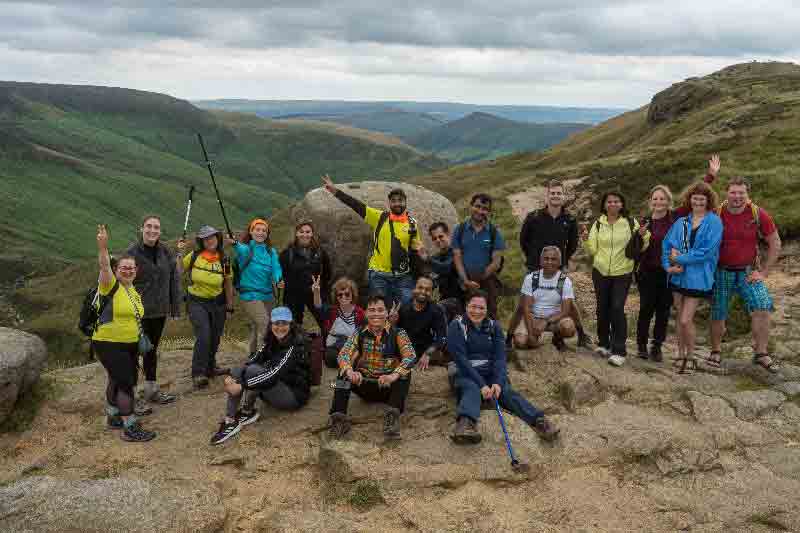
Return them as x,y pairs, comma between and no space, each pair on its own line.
249,258
562,278
463,326
192,261
381,221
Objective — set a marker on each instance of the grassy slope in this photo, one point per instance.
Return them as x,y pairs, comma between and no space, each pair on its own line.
403,124
482,136
73,156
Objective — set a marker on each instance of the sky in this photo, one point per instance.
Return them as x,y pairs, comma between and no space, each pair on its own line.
612,53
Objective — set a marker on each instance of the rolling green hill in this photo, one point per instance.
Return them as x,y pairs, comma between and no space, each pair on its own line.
403,124
483,136
73,156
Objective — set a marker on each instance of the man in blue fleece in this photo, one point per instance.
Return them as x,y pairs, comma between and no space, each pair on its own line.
477,346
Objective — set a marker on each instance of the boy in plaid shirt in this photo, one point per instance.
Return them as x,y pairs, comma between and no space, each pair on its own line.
376,364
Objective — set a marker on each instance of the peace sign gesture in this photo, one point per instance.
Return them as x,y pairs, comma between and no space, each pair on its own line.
315,283
394,314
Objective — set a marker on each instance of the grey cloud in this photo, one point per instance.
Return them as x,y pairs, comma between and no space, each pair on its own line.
648,28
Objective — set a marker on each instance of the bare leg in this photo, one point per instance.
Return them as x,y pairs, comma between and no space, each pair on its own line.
686,320
759,323
717,332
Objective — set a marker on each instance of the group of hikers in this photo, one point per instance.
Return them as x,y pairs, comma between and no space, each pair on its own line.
702,249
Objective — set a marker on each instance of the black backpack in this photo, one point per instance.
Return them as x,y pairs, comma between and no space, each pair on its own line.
403,260
559,284
492,239
92,309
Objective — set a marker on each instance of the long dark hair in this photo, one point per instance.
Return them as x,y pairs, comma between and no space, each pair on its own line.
220,245
271,341
622,212
314,239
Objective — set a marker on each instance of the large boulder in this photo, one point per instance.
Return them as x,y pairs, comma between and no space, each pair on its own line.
679,99
22,358
47,504
347,237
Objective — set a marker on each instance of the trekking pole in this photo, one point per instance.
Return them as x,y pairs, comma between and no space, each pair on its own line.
515,464
188,210
214,183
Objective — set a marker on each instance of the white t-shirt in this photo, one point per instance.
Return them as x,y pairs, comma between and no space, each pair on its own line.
546,300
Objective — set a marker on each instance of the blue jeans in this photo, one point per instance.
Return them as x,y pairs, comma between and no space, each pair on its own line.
469,401
394,287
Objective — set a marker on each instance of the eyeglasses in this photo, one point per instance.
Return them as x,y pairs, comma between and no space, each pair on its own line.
343,293
126,269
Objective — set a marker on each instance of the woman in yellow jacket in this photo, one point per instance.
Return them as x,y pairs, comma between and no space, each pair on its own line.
607,243
116,338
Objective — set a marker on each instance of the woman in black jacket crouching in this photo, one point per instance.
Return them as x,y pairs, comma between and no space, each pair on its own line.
279,373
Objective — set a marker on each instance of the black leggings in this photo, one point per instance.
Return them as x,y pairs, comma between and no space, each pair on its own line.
119,360
153,327
297,301
369,391
656,299
612,326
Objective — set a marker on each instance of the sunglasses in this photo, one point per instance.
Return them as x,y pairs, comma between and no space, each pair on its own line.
344,293
127,269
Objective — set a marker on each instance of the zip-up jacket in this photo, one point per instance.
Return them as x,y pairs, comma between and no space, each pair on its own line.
286,362
264,269
698,258
540,230
299,265
607,246
157,283
481,356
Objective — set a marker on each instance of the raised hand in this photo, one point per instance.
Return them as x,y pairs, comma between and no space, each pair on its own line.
394,314
329,186
315,283
102,236
714,165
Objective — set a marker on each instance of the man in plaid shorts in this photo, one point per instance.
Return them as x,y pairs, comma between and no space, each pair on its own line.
740,271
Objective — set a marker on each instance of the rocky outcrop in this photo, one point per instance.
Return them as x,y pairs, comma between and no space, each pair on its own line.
347,237
679,99
46,504
22,358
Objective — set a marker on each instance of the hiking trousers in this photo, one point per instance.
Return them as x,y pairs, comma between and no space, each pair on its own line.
153,328
469,401
655,299
369,391
279,395
298,301
120,359
257,312
394,287
610,293
208,323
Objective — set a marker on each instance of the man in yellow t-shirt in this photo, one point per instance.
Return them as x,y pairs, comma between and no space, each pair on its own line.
395,238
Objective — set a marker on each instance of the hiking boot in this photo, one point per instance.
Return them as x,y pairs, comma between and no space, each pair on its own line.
226,430
200,382
142,409
162,398
114,422
339,426
584,340
559,343
545,429
642,352
217,371
466,432
245,418
136,433
655,353
391,424
616,360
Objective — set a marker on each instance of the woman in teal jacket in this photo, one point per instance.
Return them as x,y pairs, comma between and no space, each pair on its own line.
689,253
259,271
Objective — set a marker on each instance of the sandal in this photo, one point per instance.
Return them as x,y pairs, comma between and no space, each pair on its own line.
685,365
766,362
714,359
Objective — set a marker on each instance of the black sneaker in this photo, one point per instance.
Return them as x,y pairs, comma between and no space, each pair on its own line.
559,343
244,418
226,431
584,340
217,371
114,422
142,409
136,433
643,352
655,353
200,382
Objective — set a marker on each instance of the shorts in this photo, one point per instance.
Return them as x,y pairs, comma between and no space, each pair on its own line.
755,295
691,293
